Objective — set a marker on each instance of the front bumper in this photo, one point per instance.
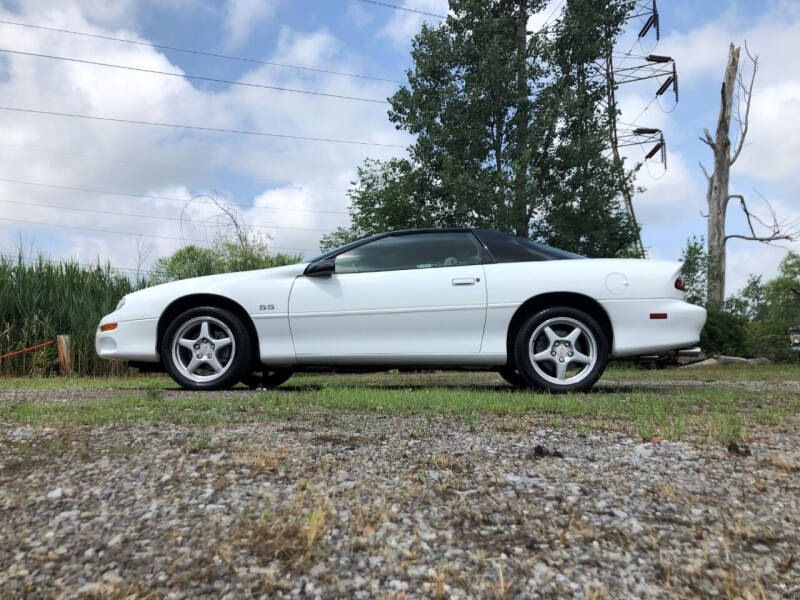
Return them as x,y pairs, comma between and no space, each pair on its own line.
131,340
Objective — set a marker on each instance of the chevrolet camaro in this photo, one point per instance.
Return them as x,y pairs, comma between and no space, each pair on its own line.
447,298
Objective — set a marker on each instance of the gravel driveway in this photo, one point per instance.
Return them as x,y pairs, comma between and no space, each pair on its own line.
363,506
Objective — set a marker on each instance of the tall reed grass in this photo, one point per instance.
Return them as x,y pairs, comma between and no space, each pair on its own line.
40,299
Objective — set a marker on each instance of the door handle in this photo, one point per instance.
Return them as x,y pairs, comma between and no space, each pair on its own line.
464,281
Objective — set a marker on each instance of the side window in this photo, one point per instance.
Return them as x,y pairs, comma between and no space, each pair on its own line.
412,251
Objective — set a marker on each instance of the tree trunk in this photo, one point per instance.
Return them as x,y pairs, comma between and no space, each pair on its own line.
717,194
523,122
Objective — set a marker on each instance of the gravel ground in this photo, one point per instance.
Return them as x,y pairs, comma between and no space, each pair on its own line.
370,506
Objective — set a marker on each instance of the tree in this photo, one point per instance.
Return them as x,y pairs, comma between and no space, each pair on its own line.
508,131
235,248
583,184
725,156
695,270
223,256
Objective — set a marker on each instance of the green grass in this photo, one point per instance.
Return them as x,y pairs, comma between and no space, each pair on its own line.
719,413
615,373
775,372
625,400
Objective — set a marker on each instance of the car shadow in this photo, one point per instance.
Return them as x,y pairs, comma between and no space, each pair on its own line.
602,389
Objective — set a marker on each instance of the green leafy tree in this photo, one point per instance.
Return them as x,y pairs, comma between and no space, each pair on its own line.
695,270
753,322
582,185
509,134
244,252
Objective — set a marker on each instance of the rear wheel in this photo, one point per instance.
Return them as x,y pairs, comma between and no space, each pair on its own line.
206,348
268,378
512,376
561,350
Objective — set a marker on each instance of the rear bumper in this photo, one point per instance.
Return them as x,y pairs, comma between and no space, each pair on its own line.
131,340
636,333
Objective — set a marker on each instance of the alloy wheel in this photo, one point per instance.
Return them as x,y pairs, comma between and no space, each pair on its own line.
203,349
563,351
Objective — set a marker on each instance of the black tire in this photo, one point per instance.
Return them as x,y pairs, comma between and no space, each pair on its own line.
563,353
268,379
234,359
512,376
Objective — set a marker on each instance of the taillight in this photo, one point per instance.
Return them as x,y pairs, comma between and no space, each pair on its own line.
679,285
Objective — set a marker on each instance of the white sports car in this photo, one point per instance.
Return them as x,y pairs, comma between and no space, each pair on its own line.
466,298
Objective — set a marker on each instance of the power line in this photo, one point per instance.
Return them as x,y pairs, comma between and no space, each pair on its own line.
174,167
403,8
196,52
142,216
552,14
134,234
70,261
166,198
274,88
199,127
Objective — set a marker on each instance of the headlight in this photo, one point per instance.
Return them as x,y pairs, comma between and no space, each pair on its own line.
121,303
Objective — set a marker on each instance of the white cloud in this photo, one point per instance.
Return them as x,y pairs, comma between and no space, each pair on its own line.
672,196
242,17
701,56
271,172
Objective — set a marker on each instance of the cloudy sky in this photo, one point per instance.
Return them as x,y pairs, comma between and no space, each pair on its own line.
89,188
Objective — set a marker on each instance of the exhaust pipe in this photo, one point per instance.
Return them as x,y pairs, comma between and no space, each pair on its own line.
689,352
692,352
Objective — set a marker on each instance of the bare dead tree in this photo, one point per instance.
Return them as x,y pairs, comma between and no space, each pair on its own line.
249,242
144,250
725,156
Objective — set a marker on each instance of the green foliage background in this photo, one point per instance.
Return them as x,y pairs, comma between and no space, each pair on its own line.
40,299
753,322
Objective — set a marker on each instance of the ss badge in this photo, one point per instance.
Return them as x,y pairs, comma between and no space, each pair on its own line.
266,307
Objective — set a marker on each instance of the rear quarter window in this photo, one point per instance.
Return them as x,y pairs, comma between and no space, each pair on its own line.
506,248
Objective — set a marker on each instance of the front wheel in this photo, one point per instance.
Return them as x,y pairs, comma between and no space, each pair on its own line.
206,348
561,350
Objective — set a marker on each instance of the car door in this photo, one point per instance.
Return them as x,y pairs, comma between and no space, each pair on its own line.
402,298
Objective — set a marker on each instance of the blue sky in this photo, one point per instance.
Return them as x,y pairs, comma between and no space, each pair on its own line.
297,187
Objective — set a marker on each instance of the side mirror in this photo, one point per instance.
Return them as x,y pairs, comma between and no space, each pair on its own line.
322,268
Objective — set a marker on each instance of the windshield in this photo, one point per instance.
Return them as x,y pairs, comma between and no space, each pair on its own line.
341,249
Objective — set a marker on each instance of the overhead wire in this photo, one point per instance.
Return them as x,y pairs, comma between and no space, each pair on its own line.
173,167
198,127
50,259
403,8
274,88
195,51
130,233
165,198
143,216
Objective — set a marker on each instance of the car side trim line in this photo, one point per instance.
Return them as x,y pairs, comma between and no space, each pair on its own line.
386,311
